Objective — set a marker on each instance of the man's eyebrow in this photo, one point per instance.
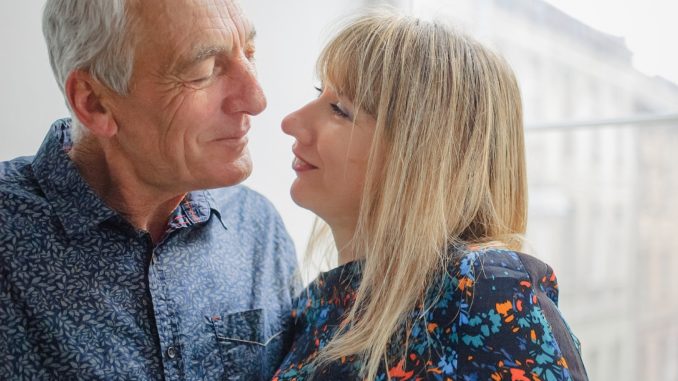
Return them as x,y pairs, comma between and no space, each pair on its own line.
199,55
204,53
207,52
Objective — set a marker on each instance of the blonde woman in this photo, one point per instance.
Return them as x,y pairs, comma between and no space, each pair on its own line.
413,156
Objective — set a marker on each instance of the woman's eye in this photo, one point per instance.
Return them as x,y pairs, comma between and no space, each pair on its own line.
337,110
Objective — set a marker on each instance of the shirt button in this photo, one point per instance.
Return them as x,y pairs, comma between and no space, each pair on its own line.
171,352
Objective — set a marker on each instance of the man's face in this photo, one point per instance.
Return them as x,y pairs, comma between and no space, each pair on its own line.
184,123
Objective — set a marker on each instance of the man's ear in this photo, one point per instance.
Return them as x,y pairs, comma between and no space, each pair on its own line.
86,95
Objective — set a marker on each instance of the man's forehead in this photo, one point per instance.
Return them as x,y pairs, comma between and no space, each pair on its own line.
189,29
180,15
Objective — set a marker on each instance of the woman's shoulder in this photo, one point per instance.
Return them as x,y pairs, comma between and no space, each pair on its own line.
497,271
492,280
487,292
505,318
489,262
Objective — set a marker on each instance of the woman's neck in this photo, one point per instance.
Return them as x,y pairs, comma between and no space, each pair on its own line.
343,239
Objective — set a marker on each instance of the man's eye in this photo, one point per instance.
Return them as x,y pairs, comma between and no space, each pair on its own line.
202,72
202,80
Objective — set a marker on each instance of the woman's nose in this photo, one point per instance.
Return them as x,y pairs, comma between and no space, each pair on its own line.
296,125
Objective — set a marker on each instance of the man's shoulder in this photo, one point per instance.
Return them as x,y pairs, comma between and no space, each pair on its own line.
24,210
16,174
19,188
15,167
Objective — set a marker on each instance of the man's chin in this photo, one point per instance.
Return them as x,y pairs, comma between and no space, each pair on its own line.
235,173
222,173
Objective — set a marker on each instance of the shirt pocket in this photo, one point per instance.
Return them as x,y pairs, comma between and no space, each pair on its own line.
250,343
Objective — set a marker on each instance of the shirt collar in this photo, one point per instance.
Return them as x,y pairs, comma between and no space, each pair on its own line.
78,207
195,208
73,201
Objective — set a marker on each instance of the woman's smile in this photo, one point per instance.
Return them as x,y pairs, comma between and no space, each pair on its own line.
299,165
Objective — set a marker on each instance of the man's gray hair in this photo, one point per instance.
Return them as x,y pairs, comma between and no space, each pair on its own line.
89,35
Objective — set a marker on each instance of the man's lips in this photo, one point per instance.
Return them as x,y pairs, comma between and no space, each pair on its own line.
232,138
234,143
239,134
237,140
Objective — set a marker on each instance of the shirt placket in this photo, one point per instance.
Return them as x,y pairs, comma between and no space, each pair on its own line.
166,320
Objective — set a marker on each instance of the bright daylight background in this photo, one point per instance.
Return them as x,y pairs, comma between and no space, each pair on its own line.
602,131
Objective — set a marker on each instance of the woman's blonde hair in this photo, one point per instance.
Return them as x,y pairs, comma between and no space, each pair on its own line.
451,167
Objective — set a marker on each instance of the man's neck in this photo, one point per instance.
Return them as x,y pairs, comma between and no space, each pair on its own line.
114,179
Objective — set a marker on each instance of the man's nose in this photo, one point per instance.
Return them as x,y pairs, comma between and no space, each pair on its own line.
249,97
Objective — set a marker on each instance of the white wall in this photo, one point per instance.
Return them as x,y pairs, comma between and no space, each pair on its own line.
29,97
289,37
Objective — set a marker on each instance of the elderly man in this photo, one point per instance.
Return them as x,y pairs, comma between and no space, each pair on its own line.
116,263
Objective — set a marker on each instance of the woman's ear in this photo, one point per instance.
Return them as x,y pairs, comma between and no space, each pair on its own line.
85,97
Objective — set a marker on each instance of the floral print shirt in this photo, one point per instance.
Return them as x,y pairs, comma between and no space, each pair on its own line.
492,320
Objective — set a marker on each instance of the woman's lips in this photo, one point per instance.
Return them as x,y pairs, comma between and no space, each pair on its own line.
300,165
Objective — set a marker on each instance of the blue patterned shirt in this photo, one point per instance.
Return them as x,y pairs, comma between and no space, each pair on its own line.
85,295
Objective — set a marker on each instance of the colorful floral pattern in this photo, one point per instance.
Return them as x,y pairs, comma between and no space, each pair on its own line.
485,323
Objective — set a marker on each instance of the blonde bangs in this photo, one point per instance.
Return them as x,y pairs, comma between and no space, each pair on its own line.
354,61
335,67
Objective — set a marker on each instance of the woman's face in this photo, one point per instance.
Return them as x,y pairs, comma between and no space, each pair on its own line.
330,156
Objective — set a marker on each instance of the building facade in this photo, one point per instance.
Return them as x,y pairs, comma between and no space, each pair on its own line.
603,207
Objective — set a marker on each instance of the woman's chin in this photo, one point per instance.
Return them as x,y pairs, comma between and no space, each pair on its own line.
304,197
297,194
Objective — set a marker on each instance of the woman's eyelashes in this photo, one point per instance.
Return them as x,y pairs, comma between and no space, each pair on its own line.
337,110
336,107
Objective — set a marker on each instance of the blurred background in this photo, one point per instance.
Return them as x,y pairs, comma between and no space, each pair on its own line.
601,112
